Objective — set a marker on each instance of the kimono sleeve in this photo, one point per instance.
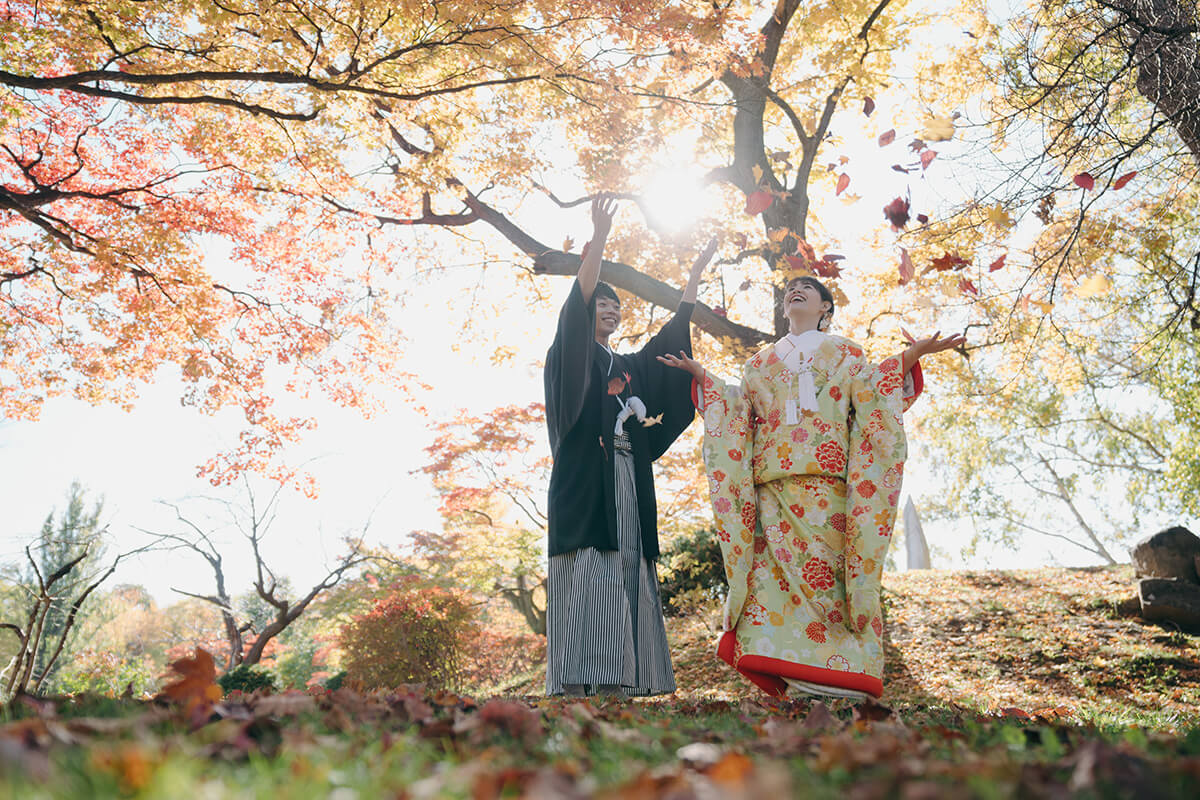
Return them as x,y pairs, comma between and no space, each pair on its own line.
666,390
728,448
874,470
569,366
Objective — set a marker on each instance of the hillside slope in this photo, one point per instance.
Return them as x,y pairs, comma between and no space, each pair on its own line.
1054,641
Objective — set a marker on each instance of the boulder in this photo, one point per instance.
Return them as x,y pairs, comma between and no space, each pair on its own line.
1173,553
1170,600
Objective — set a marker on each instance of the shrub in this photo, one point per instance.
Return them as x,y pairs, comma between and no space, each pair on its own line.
693,572
246,678
493,657
410,636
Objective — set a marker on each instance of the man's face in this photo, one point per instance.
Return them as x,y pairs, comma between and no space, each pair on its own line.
608,316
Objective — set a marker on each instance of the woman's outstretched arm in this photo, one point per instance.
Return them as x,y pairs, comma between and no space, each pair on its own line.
927,346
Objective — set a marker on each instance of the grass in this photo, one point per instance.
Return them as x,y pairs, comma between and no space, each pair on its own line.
999,685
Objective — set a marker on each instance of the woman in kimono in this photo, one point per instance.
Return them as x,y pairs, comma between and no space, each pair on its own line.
804,458
610,416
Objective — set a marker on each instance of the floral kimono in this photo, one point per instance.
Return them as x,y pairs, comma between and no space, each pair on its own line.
805,502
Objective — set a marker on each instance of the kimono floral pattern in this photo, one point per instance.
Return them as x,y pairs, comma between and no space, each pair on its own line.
805,512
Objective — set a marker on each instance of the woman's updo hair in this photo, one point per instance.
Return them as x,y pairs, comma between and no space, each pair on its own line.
826,296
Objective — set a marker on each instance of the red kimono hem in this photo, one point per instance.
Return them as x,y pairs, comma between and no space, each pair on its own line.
768,673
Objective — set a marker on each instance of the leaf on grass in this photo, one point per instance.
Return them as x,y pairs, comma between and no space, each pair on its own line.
871,711
196,682
758,202
842,183
887,137
1085,181
732,770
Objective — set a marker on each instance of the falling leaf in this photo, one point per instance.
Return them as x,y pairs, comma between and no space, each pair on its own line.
897,212
887,137
826,269
949,261
998,263
719,311
1095,285
1085,181
777,234
843,160
907,269
916,145
617,384
966,287
899,168
568,243
655,420
796,262
758,202
740,240
1124,179
842,183
758,173
780,155
868,106
999,217
744,286
923,218
938,129
832,257
196,681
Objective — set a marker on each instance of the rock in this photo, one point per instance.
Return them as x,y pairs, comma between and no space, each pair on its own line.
1170,600
1173,553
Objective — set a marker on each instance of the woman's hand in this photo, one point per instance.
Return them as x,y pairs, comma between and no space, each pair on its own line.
929,345
684,362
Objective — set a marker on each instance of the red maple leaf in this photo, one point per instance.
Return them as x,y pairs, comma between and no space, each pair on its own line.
1085,181
897,212
1124,179
758,202
826,269
949,261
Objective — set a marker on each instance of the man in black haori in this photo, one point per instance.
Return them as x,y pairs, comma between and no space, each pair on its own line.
610,416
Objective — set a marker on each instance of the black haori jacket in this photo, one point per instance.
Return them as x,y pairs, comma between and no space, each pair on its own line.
583,398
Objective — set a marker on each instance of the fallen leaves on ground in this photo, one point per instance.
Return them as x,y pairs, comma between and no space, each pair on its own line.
1037,683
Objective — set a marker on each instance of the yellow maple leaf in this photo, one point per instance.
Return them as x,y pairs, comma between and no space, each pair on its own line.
938,129
999,217
648,421
196,681
1097,284
758,173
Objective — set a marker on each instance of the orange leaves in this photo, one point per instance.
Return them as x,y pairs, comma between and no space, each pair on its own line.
842,182
907,270
887,137
927,157
758,201
1122,181
195,686
998,263
947,261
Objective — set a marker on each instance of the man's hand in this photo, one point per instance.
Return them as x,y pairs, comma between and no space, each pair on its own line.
693,284
604,206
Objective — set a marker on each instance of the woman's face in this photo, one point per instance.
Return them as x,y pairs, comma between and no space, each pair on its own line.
608,315
804,299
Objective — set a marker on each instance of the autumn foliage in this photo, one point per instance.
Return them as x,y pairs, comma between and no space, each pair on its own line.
416,635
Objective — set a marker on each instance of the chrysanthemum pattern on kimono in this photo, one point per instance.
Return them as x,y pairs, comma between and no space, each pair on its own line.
805,513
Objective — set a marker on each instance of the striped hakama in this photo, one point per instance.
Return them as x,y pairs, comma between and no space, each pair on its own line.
604,624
